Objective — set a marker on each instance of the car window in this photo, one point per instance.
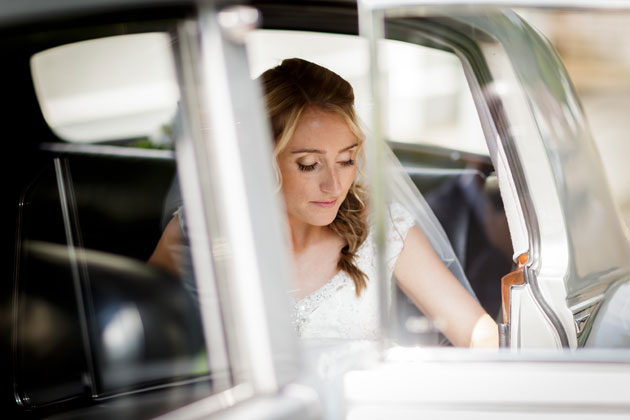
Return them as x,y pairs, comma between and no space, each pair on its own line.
434,129
554,188
599,72
119,88
117,319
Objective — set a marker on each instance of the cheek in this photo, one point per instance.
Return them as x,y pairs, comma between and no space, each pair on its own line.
294,185
290,188
349,177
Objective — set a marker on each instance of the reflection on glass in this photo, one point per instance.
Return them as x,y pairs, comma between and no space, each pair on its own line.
123,334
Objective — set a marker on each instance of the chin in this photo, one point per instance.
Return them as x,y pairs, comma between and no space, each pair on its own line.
323,220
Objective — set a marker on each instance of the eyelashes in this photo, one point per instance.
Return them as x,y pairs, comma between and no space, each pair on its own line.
309,168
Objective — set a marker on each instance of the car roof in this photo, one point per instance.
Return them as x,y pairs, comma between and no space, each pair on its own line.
19,12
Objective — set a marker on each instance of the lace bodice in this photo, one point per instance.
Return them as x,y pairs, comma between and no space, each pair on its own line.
334,310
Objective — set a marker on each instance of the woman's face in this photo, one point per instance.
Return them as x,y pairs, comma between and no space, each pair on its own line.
318,167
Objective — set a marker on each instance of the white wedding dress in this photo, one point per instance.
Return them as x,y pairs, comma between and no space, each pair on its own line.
334,310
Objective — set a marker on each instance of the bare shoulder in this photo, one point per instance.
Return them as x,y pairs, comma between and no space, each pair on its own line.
416,246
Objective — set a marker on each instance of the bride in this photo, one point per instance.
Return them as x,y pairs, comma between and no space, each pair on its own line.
317,144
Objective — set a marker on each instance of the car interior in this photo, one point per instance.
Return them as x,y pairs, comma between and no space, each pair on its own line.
84,221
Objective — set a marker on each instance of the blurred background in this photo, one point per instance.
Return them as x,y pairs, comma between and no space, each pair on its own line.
595,48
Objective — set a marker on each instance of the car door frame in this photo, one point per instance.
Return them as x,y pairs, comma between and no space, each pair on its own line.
543,224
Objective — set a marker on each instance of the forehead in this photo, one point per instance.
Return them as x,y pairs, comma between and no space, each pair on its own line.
321,129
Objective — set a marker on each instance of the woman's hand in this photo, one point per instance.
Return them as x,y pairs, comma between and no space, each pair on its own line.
430,285
485,333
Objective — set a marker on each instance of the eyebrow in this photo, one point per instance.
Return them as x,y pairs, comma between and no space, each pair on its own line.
321,152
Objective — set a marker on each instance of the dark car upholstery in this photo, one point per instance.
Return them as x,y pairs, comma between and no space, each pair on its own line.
117,201
88,223
462,191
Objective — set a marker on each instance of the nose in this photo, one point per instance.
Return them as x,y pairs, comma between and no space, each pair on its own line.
330,183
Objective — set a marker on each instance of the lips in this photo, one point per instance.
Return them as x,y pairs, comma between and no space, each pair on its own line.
324,204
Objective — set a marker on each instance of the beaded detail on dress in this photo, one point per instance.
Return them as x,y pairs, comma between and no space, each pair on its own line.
305,306
334,310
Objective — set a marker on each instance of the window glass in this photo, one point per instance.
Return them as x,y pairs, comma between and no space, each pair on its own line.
109,89
90,223
104,264
594,48
428,101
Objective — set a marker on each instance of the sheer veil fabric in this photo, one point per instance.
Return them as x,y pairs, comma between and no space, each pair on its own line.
401,190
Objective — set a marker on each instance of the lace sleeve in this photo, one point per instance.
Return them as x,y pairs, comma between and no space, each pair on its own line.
399,223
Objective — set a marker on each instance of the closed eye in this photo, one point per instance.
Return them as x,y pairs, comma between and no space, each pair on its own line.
347,162
307,168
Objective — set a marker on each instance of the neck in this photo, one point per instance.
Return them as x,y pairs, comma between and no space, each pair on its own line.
303,235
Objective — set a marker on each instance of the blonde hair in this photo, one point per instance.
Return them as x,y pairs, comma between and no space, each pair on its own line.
292,87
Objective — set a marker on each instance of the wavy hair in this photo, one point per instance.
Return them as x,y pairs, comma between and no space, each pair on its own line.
289,89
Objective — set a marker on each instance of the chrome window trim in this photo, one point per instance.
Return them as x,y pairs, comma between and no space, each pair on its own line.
80,281
15,298
80,277
226,180
395,7
108,150
192,170
214,403
150,388
294,401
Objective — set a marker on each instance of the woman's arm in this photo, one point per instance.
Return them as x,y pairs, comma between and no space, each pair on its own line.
425,279
166,253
